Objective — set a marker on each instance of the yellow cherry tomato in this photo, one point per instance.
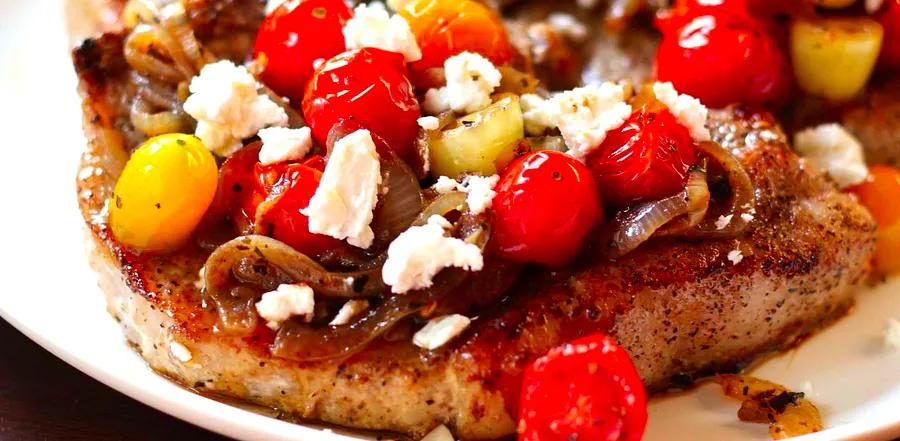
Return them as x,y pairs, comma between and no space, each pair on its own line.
879,193
163,192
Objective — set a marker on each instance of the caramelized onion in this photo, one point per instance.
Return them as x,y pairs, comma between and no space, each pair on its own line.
743,197
399,201
634,225
787,413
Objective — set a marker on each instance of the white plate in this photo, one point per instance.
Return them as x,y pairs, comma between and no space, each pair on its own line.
50,294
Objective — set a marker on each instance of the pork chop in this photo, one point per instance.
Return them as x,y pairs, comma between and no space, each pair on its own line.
682,309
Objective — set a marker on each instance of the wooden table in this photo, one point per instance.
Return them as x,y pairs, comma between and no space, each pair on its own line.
43,398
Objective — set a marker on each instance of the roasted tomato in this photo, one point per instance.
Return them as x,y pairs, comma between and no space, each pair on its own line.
879,194
369,87
279,215
545,206
647,158
239,191
890,49
586,390
444,28
723,58
293,37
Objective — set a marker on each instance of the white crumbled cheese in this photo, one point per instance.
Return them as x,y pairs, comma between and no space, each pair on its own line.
831,148
892,334
438,331
471,79
585,114
429,122
271,5
723,221
439,433
537,114
735,256
372,26
568,26
480,192
420,252
350,309
747,217
348,191
445,185
689,111
285,302
225,102
180,352
281,144
873,6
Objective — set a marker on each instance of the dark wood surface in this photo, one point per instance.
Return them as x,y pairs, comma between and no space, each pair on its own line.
43,398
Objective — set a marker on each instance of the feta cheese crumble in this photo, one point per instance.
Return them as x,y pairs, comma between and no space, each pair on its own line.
471,79
689,111
281,144
372,26
350,309
892,334
479,190
583,115
747,217
428,122
438,331
343,203
735,256
439,433
225,102
285,302
568,26
834,150
723,221
420,252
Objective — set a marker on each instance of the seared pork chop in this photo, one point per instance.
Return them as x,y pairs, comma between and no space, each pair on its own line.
682,309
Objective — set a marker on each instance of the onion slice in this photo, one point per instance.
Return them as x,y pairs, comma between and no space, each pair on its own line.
743,196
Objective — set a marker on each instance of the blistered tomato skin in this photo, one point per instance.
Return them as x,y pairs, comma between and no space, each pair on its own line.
293,37
645,159
723,58
163,193
444,28
586,390
546,204
890,49
370,87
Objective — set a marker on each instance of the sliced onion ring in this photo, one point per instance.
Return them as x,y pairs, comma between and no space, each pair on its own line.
743,196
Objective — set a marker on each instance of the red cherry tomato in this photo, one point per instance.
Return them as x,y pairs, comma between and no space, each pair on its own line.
647,158
239,190
370,87
444,28
890,49
585,390
723,58
280,216
293,36
545,206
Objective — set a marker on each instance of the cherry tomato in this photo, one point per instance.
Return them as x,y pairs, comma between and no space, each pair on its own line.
280,215
293,37
890,49
370,87
645,159
879,194
239,190
444,28
723,58
546,204
586,390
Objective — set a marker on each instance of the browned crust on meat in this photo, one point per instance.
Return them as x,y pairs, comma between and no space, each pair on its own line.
681,309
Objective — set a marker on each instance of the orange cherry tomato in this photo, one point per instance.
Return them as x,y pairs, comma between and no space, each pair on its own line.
879,194
444,28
